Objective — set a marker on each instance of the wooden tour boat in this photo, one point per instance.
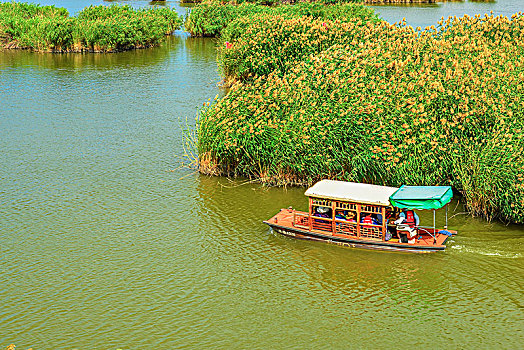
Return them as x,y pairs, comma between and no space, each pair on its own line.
368,216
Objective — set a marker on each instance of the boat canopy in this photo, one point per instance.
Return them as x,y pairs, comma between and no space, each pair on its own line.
352,192
421,197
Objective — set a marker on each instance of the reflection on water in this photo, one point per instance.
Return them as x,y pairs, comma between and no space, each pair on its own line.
104,246
11,59
87,204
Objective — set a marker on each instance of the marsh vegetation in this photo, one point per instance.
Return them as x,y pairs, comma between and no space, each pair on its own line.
358,99
94,29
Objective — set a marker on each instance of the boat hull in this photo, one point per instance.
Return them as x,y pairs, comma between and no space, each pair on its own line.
353,243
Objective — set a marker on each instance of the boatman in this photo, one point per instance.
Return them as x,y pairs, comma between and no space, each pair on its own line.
410,219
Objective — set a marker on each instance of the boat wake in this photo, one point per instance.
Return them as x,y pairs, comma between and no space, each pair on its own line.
505,255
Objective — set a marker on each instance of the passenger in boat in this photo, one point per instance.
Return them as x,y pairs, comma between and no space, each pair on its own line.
351,217
340,215
322,212
369,219
409,220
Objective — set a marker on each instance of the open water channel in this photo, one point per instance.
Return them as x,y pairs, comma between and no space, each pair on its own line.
106,243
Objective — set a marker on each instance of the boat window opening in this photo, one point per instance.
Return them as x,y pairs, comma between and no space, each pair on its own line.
346,215
371,219
322,212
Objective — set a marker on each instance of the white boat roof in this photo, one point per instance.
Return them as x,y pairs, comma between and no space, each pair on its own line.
351,192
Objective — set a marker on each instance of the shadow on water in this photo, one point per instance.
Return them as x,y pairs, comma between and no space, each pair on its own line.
197,45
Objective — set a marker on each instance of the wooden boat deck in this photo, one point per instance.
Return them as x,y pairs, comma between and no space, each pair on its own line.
285,221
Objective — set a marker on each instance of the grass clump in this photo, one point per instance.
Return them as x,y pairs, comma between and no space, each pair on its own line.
389,106
210,19
95,28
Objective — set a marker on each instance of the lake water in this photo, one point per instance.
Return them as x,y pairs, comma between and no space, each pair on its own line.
430,14
107,243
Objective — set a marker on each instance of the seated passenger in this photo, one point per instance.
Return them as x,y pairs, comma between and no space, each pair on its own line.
410,218
322,212
340,216
368,219
407,222
351,217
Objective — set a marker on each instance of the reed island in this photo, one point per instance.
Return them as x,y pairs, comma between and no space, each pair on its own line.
94,29
331,91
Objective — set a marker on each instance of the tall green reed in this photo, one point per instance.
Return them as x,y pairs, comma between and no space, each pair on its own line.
95,28
394,106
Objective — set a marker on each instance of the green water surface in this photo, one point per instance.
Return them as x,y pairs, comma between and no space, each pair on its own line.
106,243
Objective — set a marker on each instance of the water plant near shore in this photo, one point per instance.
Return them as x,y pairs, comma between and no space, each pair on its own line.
397,106
95,28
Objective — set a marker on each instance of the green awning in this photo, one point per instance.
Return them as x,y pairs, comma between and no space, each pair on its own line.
421,197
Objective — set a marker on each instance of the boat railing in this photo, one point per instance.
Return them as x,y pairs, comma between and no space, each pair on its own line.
426,229
344,227
432,231
337,226
321,224
370,231
301,220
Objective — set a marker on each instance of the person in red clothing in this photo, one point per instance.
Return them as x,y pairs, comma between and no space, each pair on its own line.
369,219
410,219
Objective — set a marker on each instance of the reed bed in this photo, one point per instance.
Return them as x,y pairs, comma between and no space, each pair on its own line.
390,105
94,29
211,19
267,43
366,2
